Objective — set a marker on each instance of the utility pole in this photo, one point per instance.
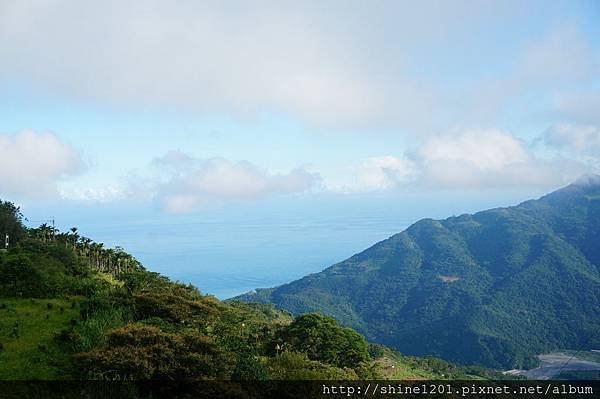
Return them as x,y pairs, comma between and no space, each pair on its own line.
6,241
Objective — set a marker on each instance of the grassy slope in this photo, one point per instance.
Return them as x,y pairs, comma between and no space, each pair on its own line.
395,369
34,354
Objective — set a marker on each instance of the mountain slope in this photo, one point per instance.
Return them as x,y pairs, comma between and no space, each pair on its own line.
493,288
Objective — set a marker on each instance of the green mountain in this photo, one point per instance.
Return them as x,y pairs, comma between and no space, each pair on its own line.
71,309
493,288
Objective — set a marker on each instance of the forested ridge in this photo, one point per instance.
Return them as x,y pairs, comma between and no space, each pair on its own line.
72,309
494,288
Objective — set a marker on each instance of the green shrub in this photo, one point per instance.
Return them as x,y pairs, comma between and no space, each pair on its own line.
138,351
323,339
174,308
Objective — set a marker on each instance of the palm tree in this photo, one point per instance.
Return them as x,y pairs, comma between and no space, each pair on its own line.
63,238
97,251
85,248
42,233
110,255
73,238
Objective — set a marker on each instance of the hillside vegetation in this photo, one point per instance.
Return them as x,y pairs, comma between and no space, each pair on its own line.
494,288
72,309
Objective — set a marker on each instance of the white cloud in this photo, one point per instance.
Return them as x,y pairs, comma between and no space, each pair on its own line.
383,173
185,184
32,163
334,63
489,158
203,56
94,194
476,159
576,139
489,149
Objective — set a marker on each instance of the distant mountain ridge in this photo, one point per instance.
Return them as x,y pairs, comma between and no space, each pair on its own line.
493,288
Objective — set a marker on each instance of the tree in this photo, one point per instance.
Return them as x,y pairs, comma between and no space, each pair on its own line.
11,222
73,238
323,339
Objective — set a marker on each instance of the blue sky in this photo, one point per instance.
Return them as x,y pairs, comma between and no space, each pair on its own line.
184,107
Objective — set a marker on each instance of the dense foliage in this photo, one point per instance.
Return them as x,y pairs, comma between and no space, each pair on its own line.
494,288
71,309
321,338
